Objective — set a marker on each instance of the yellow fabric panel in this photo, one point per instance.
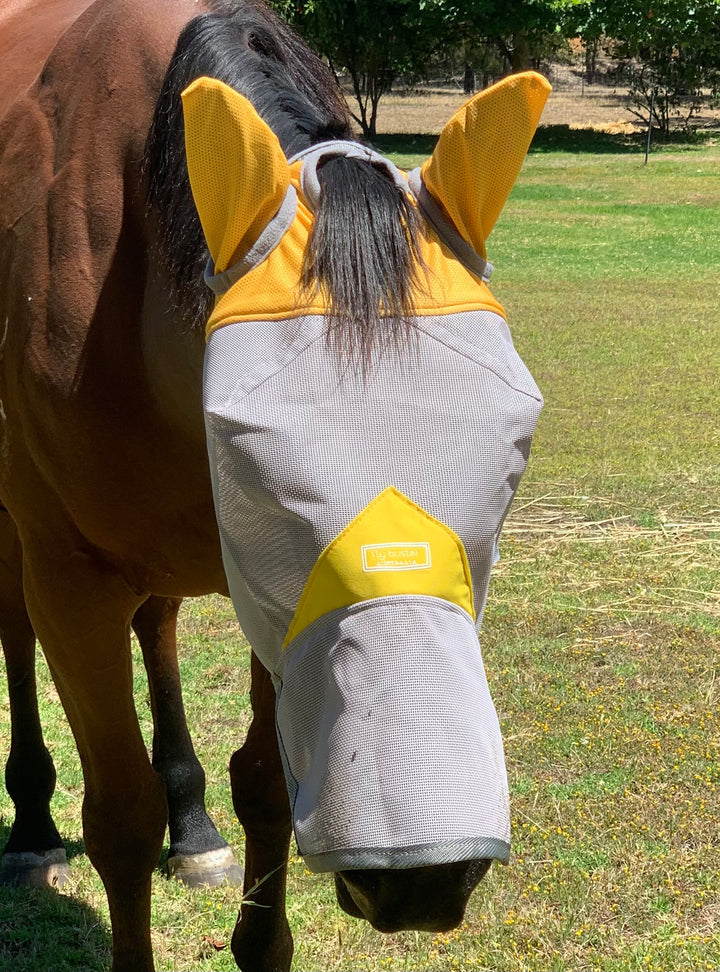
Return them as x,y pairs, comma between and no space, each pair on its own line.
238,172
271,290
480,153
392,547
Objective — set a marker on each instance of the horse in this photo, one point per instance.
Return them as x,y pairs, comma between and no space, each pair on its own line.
34,854
103,444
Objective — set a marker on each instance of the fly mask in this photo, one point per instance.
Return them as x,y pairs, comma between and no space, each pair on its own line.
359,513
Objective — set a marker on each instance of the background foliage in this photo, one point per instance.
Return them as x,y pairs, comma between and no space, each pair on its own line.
667,50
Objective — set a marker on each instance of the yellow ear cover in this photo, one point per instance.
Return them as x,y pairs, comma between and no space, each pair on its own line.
238,172
392,547
480,153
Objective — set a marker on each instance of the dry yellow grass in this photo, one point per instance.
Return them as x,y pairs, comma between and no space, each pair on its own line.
599,107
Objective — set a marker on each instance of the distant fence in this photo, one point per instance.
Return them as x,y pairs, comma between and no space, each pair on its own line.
561,76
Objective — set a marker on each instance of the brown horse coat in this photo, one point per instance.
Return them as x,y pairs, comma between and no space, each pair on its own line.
109,452
103,464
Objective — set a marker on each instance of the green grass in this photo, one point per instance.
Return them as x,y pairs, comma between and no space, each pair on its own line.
602,629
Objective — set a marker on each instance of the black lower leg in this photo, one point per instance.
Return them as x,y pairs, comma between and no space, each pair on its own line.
29,772
191,830
262,941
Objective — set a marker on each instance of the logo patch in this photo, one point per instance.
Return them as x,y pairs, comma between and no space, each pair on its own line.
396,556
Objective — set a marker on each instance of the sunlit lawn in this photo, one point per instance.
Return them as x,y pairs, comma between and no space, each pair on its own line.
601,636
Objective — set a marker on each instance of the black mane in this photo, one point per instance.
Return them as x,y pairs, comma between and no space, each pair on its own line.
363,227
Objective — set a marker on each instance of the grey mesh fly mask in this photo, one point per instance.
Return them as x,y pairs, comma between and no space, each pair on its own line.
359,517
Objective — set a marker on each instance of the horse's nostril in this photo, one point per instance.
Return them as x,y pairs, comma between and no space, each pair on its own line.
345,898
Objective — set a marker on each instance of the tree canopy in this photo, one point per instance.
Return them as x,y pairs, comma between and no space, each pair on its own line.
373,42
674,45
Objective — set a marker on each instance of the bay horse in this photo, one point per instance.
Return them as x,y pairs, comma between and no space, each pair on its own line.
103,450
34,854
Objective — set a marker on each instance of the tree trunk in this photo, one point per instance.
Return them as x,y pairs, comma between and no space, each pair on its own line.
591,53
520,53
469,80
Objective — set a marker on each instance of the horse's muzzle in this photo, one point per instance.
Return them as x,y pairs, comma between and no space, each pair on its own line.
431,898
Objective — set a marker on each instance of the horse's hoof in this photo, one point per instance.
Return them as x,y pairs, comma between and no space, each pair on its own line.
29,870
209,868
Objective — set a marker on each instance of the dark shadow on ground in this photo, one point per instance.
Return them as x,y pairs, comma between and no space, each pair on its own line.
405,144
548,138
162,863
74,848
562,138
43,930
559,138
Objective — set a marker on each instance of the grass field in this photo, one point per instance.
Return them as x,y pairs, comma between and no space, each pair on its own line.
602,630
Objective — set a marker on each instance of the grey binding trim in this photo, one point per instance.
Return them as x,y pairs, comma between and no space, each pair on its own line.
311,158
220,283
443,226
448,852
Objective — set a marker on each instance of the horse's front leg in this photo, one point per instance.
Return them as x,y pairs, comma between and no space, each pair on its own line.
262,941
198,854
34,854
81,611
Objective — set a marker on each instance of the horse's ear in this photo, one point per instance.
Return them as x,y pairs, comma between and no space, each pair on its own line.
238,171
480,152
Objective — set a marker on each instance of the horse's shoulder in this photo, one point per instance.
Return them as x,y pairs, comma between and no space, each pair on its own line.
142,33
90,106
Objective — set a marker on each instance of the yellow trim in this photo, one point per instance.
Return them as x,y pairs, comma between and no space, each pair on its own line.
271,290
392,547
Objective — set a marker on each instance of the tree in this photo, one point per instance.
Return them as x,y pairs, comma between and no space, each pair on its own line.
521,30
377,41
373,42
672,50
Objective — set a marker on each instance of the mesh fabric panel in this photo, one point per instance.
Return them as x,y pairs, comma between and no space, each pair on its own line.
391,744
480,153
299,447
390,738
238,182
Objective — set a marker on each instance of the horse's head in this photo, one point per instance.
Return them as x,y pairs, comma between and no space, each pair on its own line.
360,507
